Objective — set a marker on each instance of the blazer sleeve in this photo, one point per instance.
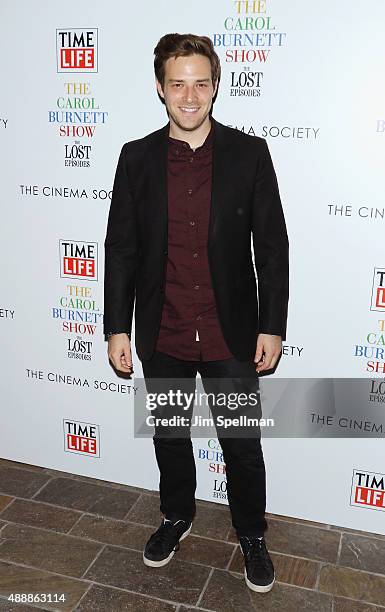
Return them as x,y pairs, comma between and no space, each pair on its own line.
271,248
120,247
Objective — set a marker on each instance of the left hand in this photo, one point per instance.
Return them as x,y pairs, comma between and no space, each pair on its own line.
268,350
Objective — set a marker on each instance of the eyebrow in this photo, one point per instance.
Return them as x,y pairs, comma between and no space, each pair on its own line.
182,80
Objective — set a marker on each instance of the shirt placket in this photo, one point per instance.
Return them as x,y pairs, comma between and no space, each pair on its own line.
194,241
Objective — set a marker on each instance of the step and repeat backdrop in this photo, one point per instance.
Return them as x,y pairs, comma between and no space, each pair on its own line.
76,83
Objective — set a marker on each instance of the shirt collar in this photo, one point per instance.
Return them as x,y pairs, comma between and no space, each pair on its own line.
182,148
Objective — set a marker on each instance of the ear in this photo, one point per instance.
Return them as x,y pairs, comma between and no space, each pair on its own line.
159,88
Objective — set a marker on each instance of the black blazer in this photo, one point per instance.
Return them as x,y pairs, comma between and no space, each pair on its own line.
245,210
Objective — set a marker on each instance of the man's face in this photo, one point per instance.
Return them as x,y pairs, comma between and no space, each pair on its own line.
188,90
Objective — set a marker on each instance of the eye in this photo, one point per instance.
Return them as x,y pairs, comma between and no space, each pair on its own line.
202,84
177,85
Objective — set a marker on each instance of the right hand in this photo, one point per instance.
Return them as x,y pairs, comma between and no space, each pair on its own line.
119,352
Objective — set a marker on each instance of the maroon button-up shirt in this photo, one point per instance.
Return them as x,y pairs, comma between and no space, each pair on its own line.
190,328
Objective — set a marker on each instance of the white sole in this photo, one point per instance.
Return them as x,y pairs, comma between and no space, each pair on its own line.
167,559
257,588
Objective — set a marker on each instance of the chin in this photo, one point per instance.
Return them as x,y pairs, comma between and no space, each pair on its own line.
190,125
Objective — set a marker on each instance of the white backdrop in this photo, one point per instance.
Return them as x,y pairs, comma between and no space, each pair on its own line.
319,100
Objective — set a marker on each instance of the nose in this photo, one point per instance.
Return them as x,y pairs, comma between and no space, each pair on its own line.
189,94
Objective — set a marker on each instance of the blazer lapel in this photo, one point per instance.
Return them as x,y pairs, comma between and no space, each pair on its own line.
221,167
158,179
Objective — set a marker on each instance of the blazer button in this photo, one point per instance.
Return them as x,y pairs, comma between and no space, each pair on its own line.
165,252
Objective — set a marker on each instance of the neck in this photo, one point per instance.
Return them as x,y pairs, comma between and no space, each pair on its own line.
195,138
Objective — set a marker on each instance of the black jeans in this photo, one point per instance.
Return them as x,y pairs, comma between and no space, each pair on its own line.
245,468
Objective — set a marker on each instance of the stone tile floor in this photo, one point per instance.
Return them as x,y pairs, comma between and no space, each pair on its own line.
63,533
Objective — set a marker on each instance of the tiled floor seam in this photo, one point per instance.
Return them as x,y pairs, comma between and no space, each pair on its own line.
190,607
292,520
28,467
3,526
42,569
62,474
133,506
120,487
9,503
99,483
42,487
75,524
204,587
327,527
292,556
38,501
232,557
195,607
141,594
93,560
321,564
311,589
339,549
372,536
151,597
84,594
358,600
58,533
80,512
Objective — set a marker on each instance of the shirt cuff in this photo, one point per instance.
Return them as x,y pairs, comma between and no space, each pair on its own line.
108,334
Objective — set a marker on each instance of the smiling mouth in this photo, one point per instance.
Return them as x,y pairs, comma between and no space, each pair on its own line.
186,109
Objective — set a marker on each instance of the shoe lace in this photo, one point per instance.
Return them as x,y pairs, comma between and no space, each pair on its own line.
165,533
256,554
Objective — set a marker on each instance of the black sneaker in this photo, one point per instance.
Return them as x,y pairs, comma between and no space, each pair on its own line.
259,569
164,542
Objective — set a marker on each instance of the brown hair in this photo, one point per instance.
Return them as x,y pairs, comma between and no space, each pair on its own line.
176,45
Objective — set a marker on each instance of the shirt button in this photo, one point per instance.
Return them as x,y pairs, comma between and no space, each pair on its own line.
189,191
199,318
191,159
196,287
192,223
195,254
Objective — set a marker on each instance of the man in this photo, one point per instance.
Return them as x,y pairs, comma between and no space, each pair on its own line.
187,200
